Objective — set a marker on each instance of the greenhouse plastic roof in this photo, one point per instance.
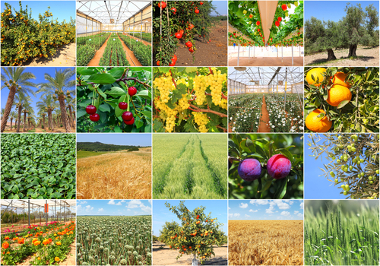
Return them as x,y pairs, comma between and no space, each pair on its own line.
24,203
111,12
265,75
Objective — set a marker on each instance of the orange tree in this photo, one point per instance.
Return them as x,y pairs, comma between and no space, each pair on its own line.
348,97
190,99
196,234
23,37
179,21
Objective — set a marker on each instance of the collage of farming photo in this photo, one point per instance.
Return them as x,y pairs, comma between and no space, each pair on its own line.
189,132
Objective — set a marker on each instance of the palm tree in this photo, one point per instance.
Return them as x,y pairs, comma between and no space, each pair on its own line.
25,111
20,100
47,105
60,85
17,80
71,107
13,116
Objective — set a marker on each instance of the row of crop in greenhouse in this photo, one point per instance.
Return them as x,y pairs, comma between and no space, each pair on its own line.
87,47
144,36
142,52
114,54
244,113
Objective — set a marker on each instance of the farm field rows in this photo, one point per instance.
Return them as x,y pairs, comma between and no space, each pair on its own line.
39,244
265,242
190,166
116,175
142,52
247,112
118,240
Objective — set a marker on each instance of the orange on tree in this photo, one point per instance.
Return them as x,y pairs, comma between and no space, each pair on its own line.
318,124
337,94
339,79
315,76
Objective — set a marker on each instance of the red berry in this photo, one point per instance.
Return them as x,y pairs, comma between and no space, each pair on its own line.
189,44
201,3
94,117
173,9
132,91
279,19
130,122
172,63
91,109
158,63
284,7
191,50
174,58
178,35
196,11
258,23
127,116
277,24
123,105
162,4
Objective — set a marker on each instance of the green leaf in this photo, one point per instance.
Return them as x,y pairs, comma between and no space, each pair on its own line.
116,92
104,107
101,79
145,94
342,104
81,112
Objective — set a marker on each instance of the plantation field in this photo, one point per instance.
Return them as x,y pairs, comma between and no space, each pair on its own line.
114,175
341,235
84,154
190,166
126,238
265,242
261,112
43,244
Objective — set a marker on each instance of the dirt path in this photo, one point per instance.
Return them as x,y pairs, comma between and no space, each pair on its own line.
140,40
65,56
99,53
130,55
166,256
264,119
366,57
213,53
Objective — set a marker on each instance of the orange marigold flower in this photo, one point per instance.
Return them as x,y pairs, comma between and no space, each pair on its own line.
6,238
21,241
57,259
58,243
5,245
36,243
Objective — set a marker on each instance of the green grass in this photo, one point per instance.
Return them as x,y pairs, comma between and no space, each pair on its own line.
339,237
189,166
84,154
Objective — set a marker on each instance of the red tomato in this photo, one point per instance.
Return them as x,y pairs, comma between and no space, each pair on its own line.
196,11
162,4
189,44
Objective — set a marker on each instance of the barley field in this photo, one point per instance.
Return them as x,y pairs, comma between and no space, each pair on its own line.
190,166
265,242
115,175
346,233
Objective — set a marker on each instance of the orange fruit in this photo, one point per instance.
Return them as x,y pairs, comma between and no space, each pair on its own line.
317,124
339,79
337,94
315,76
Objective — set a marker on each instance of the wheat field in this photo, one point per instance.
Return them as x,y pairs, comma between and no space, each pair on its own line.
115,175
265,242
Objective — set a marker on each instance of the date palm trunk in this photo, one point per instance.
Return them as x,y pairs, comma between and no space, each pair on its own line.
8,107
24,126
62,104
50,123
19,118
43,121
11,122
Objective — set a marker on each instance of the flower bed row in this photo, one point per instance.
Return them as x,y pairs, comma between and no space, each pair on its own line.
244,113
142,52
50,244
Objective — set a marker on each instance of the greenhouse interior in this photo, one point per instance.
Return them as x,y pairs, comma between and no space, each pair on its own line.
114,33
18,214
265,33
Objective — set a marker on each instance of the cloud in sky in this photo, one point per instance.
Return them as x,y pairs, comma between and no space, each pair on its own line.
243,205
301,205
285,213
111,202
253,210
100,210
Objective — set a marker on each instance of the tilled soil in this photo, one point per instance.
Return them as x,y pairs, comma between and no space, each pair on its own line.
264,119
367,56
98,54
213,53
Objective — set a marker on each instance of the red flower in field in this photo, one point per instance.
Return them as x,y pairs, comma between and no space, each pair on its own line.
21,241
5,245
6,238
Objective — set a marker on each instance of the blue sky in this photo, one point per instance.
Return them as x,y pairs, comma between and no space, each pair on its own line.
265,209
61,10
162,214
332,10
39,72
117,139
221,7
114,207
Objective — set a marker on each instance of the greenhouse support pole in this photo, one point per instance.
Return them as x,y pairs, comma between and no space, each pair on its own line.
60,211
254,52
11,213
56,209
299,50
46,214
28,212
249,51
238,54
277,51
286,79
292,54
141,27
282,53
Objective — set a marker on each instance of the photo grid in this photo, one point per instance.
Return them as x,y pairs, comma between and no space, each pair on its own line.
214,132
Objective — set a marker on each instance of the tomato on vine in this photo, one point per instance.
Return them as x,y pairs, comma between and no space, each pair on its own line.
162,4
196,11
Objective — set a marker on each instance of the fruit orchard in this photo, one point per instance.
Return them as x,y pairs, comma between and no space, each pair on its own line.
344,99
190,99
23,37
353,162
265,166
179,21
114,99
285,29
196,235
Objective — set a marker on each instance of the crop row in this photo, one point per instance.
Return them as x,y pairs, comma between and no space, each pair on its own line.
23,37
114,240
144,36
195,172
142,52
87,47
114,54
244,113
50,244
